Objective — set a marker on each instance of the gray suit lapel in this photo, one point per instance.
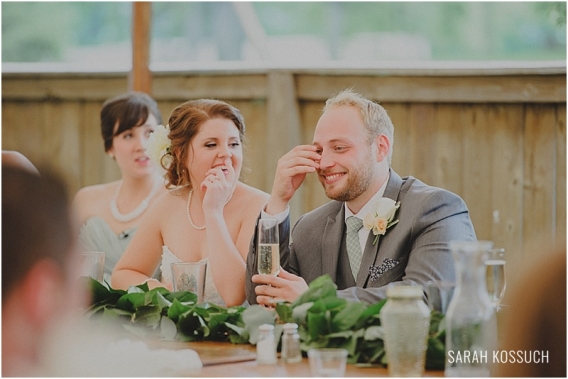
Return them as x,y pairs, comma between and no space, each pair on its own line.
331,244
372,251
393,186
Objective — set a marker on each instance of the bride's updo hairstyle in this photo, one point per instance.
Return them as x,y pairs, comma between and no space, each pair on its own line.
184,124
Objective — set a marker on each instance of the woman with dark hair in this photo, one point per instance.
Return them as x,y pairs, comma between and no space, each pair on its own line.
207,214
110,213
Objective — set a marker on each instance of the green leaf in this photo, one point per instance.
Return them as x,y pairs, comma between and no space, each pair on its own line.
370,315
285,312
160,300
300,312
435,355
136,330
101,293
94,309
217,325
177,309
111,312
192,326
237,335
318,324
334,304
148,315
343,334
318,306
374,333
168,328
319,288
253,317
348,316
183,296
138,289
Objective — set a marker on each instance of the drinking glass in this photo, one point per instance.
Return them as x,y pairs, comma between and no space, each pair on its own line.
268,247
439,294
327,362
495,278
92,264
189,276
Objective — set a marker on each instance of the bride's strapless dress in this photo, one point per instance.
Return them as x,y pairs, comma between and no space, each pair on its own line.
211,294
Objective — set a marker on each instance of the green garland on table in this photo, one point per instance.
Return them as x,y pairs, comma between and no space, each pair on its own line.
323,319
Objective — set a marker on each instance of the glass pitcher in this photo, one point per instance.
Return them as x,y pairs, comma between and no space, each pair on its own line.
471,325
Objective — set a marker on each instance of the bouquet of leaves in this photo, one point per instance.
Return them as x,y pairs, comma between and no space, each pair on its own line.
323,319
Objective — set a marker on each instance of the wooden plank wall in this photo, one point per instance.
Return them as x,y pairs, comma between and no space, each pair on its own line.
496,139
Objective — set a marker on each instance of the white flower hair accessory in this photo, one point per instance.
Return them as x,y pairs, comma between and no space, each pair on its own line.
158,148
381,218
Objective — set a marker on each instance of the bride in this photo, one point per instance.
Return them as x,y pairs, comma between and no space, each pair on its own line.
207,214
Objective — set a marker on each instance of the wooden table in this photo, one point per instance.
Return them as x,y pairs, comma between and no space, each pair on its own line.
223,359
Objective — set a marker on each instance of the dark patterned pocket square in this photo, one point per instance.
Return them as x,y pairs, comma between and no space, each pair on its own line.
375,271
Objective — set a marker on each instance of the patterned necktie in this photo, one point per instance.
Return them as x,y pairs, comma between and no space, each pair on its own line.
353,246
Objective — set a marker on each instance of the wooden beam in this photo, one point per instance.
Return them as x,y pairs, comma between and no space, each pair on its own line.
284,130
140,78
247,85
446,89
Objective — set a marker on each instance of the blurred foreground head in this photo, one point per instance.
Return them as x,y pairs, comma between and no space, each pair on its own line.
535,320
36,225
43,331
38,245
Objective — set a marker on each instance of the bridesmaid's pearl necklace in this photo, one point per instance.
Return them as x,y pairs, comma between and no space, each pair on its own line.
137,211
189,215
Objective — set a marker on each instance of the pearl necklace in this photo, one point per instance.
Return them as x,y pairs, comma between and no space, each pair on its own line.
189,215
137,211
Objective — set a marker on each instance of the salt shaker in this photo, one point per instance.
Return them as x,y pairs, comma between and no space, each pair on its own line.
265,346
291,344
406,321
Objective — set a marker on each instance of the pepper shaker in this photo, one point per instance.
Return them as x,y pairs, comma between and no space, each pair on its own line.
291,352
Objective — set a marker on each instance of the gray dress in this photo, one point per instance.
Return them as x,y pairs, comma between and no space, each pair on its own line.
96,235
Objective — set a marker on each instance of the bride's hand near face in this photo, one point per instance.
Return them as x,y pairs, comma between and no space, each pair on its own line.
218,187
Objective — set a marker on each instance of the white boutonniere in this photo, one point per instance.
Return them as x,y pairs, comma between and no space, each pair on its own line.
158,148
381,218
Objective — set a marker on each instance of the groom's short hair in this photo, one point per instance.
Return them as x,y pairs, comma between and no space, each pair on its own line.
374,116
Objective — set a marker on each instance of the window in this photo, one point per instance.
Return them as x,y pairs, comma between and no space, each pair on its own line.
96,35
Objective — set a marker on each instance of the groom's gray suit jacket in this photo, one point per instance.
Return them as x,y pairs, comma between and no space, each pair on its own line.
413,251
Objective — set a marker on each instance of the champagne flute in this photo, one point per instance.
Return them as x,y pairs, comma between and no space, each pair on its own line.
268,247
495,276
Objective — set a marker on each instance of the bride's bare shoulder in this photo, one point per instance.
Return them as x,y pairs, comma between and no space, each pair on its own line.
170,198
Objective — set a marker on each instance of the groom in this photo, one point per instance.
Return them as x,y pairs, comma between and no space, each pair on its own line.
361,245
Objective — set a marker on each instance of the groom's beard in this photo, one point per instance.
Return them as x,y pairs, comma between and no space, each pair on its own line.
357,182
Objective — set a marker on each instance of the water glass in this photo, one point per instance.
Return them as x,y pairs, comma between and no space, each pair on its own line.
327,362
189,276
92,263
439,295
